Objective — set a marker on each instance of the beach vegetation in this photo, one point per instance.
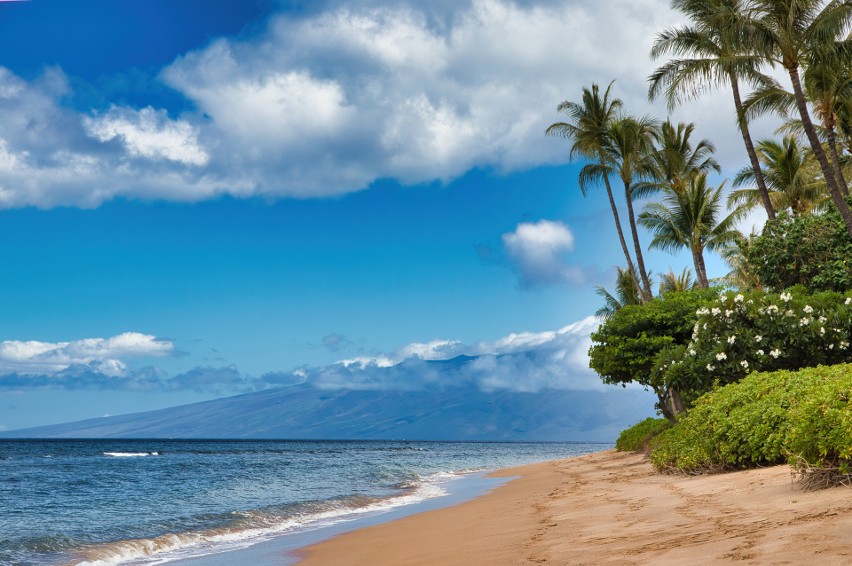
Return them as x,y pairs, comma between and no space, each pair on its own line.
638,437
744,332
802,417
811,250
626,346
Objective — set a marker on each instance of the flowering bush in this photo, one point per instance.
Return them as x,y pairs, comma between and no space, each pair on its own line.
743,332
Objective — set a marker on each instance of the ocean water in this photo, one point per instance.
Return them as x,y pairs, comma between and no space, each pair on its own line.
153,501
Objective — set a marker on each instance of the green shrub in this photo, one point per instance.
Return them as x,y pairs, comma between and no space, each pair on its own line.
637,437
804,417
813,250
744,332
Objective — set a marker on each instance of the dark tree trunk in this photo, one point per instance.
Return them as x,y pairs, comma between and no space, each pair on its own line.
816,146
700,267
665,408
835,158
621,239
752,154
646,284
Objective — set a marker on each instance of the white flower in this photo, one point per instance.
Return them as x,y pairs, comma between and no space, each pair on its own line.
732,339
789,312
775,353
843,345
808,309
821,331
721,356
786,297
744,364
831,346
848,301
759,352
715,310
702,311
710,368
728,313
692,352
822,319
758,338
804,321
739,299
772,308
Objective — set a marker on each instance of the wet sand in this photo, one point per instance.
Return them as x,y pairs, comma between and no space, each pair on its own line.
612,508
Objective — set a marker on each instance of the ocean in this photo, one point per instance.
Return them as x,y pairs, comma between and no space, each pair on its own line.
111,502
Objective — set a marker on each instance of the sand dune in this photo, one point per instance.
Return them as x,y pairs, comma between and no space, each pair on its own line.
612,508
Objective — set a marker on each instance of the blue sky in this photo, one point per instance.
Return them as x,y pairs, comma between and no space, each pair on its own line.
199,197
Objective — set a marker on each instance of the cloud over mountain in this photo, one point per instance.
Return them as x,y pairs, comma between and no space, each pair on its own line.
527,361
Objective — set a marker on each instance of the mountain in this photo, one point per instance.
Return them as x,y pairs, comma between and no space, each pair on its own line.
436,413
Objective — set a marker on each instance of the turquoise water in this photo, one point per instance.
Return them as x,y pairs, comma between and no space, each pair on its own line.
146,502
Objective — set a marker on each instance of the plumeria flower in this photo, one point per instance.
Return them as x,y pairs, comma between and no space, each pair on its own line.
721,356
775,353
692,352
744,364
822,319
848,301
710,368
758,338
804,321
715,310
821,331
786,297
808,309
732,339
759,352
739,299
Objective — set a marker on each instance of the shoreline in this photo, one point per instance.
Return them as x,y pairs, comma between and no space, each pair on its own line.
611,507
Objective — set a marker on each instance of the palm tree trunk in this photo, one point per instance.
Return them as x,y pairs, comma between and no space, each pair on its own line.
752,154
621,239
835,159
816,146
646,284
700,267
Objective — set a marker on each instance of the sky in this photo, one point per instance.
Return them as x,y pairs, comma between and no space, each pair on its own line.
206,197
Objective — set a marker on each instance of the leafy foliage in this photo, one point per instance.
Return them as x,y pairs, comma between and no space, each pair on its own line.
814,251
804,417
744,332
625,347
638,437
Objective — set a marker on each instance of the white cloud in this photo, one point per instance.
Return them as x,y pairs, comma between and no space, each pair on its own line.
327,103
526,361
538,252
148,133
104,355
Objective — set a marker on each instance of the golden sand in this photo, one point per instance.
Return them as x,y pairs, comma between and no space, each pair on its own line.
612,508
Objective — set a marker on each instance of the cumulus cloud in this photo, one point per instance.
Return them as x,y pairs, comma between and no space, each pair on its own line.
329,101
538,251
102,355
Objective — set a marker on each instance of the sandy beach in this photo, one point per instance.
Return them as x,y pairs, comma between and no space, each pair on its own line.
612,508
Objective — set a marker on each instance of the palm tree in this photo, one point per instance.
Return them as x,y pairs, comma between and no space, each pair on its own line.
828,87
587,131
628,155
691,219
792,175
627,292
674,159
673,282
791,33
735,255
707,54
